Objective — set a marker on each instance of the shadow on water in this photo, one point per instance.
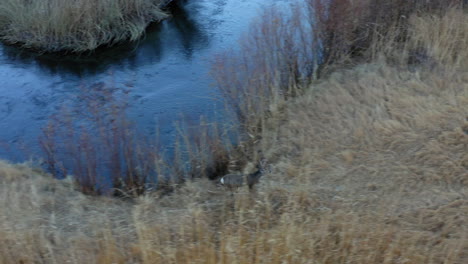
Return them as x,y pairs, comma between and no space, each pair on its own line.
180,30
189,34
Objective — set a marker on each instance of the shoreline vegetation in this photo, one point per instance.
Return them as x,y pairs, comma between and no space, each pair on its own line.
365,134
75,26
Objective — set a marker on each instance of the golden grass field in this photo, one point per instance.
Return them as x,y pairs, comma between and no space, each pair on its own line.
81,25
368,165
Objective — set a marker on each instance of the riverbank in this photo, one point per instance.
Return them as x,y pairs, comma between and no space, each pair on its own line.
366,165
76,26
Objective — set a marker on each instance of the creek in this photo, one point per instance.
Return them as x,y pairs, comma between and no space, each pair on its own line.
166,74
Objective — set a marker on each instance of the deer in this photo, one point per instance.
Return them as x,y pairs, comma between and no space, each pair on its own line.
234,181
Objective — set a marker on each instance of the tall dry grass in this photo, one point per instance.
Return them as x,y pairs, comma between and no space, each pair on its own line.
56,25
348,29
368,164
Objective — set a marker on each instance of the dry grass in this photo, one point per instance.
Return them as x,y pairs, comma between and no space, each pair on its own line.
57,25
348,29
368,165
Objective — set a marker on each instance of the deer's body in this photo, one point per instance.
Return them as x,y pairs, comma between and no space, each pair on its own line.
233,181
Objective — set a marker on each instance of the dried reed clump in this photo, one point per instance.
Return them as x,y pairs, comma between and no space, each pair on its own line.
83,25
368,165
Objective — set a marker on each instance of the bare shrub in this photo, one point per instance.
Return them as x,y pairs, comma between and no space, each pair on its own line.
278,55
94,140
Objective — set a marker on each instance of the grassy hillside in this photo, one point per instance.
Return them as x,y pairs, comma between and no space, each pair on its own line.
82,25
368,164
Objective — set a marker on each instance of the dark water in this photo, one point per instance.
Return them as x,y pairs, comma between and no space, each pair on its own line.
166,74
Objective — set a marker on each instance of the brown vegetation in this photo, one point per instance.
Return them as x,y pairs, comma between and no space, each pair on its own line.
368,164
69,25
94,139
